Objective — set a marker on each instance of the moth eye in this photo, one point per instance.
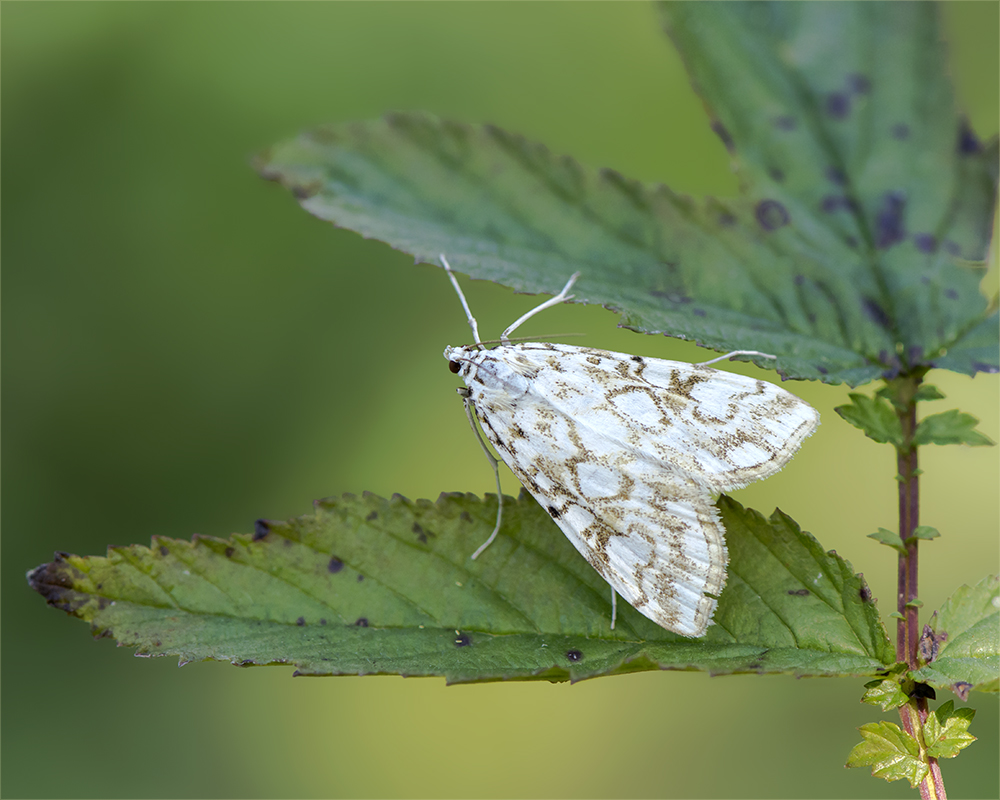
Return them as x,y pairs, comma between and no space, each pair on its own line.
454,366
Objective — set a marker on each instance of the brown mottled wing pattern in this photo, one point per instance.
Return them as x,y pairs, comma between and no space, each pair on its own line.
624,453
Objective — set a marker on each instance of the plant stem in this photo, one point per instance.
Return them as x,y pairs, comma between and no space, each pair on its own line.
914,713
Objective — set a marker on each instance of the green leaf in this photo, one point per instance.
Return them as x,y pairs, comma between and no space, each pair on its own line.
844,116
861,187
928,392
969,654
950,427
367,585
925,532
874,416
890,752
889,539
946,730
896,392
506,209
886,693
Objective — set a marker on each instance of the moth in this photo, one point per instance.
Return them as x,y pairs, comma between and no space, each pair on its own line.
626,452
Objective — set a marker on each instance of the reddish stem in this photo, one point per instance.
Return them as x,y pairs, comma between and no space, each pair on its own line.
908,627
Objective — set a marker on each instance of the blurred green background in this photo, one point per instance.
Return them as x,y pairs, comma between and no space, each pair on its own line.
184,350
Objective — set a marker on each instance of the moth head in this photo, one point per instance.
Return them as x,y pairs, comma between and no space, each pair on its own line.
456,356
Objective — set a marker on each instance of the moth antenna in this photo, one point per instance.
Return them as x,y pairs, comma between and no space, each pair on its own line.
470,412
543,337
552,301
468,314
735,353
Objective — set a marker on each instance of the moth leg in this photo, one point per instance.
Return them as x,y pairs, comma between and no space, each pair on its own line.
614,607
735,353
470,412
468,313
552,301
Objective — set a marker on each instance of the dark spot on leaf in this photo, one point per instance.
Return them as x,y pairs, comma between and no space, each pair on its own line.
851,242
900,131
990,369
876,314
698,312
726,219
462,640
230,551
260,529
454,366
164,551
962,689
952,248
421,533
465,516
799,280
798,592
838,105
776,175
923,690
300,621
785,123
756,665
951,294
574,655
322,622
889,228
372,516
361,622
723,134
553,512
305,192
835,175
858,83
925,242
360,578
968,144
335,565
833,202
771,215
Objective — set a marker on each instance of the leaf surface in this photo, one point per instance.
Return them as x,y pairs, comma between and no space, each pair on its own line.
891,753
852,253
969,656
874,416
373,586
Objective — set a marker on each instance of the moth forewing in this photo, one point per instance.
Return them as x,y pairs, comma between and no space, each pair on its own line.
625,452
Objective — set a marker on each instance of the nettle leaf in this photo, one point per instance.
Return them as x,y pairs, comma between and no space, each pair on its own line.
967,627
842,116
886,693
373,586
889,539
925,533
950,427
861,189
946,731
890,752
874,416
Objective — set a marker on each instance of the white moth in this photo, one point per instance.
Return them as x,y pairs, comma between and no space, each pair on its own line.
625,454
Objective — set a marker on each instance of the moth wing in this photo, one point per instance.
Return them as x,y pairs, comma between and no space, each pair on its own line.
650,531
722,429
663,551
